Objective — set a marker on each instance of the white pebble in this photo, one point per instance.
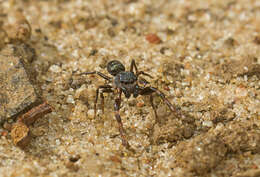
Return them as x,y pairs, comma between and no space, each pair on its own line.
207,123
91,113
55,68
70,99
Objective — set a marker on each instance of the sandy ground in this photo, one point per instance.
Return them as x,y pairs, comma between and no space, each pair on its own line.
205,57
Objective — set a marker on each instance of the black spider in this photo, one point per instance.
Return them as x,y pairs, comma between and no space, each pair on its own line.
126,82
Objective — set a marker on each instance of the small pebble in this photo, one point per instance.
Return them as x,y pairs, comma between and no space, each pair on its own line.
140,104
153,39
70,99
55,69
91,113
115,159
166,88
74,158
4,133
207,123
20,28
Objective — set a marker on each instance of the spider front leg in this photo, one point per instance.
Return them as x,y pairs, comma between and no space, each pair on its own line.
107,88
133,66
98,73
154,109
119,120
150,90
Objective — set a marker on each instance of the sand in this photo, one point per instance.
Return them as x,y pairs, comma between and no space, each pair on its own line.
204,55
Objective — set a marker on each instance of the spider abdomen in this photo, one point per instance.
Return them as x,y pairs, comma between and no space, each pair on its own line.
114,67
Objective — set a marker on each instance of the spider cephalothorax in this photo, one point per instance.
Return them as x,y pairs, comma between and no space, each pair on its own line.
125,82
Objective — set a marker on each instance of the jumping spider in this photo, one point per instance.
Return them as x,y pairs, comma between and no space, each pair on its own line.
126,82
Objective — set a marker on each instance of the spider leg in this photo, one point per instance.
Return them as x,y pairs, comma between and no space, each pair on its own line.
143,73
133,66
106,87
102,97
154,109
102,101
119,121
150,90
98,73
143,81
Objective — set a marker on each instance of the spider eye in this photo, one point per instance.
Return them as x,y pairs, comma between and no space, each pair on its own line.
114,67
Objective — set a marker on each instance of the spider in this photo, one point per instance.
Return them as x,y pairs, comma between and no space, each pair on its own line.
125,82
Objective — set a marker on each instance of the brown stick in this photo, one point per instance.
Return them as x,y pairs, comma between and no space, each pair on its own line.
35,113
